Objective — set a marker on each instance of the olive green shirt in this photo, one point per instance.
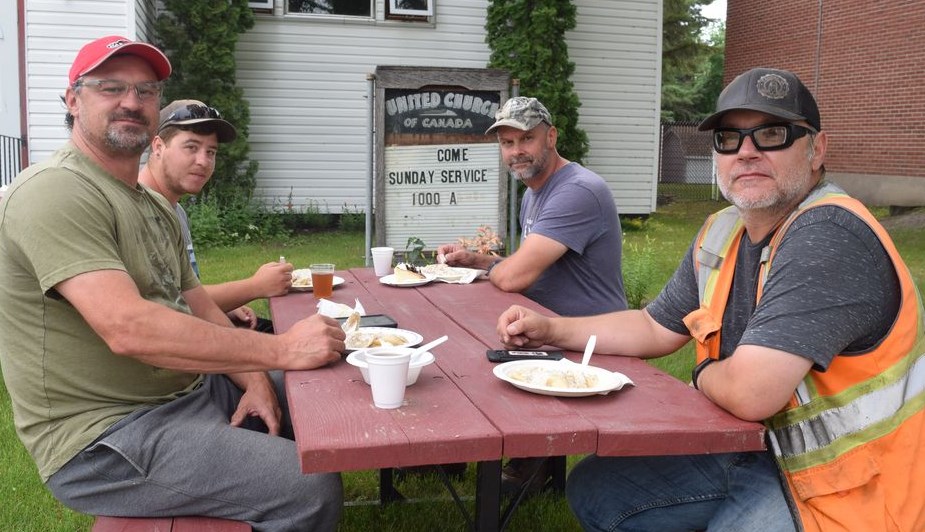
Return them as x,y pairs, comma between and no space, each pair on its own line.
60,219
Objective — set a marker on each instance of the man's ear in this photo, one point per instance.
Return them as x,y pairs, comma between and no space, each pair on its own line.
552,136
820,144
157,146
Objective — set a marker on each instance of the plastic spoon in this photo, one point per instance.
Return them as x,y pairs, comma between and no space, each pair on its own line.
418,350
588,350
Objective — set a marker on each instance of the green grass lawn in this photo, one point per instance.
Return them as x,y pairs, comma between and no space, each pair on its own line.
652,251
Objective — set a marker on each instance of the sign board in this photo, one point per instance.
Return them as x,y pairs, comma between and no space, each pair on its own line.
438,175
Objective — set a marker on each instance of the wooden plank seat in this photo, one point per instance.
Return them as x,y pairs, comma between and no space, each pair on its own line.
167,524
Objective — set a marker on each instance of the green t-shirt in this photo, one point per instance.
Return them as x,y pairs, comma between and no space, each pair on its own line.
63,218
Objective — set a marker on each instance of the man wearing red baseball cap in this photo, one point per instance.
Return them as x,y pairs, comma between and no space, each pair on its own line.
122,415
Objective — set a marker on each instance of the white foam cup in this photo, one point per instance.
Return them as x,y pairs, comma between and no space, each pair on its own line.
388,376
382,260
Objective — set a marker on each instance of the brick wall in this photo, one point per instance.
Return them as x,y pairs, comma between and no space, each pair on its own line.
865,64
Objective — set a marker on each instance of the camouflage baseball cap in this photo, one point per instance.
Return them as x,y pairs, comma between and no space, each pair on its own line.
522,113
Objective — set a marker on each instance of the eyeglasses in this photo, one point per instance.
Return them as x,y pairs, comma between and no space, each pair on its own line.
193,111
114,88
767,137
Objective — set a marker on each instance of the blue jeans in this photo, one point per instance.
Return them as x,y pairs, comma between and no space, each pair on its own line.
722,492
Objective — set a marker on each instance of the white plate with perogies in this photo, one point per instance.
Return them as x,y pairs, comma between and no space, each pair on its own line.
561,378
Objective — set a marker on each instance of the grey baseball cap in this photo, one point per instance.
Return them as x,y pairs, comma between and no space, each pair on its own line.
190,112
776,92
522,113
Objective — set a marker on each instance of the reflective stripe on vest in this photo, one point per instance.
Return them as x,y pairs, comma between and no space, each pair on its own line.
866,413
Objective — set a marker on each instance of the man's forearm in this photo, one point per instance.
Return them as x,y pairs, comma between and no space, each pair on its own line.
233,294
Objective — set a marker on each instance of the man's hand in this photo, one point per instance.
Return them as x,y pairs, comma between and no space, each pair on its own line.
243,317
313,342
521,327
457,255
273,279
259,400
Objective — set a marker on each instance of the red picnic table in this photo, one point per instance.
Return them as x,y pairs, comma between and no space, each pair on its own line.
458,411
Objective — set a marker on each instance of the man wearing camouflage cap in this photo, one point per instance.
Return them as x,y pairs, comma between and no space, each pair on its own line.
570,254
804,317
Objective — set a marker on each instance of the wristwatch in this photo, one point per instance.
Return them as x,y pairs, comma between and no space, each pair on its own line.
695,373
490,267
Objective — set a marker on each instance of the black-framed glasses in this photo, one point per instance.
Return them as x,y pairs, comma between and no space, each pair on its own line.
192,111
766,137
116,88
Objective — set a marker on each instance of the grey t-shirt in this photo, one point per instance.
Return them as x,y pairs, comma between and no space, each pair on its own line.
576,209
187,236
832,289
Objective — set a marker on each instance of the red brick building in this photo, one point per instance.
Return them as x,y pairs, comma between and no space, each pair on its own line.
865,63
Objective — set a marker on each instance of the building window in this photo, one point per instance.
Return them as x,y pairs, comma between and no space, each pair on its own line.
355,8
420,8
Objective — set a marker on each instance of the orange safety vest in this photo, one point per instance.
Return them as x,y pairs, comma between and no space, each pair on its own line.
851,441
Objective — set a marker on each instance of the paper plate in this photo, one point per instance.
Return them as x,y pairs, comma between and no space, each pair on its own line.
607,381
392,281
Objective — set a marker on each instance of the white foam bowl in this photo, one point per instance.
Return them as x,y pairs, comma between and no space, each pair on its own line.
358,359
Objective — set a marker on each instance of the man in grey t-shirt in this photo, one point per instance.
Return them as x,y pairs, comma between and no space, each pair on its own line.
181,162
569,259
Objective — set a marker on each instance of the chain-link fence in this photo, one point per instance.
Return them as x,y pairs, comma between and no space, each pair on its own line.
685,169
10,158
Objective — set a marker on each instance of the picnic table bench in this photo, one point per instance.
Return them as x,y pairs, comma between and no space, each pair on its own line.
167,524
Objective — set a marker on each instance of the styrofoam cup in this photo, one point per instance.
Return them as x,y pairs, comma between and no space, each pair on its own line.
388,376
382,260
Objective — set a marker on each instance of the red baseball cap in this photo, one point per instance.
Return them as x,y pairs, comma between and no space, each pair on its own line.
96,52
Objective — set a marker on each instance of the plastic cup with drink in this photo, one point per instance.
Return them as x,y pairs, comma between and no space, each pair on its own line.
322,280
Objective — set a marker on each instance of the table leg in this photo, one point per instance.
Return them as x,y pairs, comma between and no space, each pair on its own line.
387,491
557,466
488,496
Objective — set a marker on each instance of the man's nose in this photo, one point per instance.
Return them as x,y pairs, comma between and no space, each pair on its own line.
748,148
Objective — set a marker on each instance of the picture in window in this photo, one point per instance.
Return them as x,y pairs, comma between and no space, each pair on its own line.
411,7
361,8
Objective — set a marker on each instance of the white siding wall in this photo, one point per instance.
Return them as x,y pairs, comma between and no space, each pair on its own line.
305,79
55,31
616,47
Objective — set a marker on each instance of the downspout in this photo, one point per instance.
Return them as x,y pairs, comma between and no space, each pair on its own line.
818,65
23,102
370,172
512,187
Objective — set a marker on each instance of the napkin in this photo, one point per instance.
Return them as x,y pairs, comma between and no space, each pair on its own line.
339,310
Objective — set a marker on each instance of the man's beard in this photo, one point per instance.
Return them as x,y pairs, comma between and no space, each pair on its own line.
127,140
536,166
784,195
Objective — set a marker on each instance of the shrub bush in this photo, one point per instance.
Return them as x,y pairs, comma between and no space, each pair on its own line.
233,223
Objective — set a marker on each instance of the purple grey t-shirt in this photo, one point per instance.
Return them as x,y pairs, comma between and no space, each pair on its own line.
576,209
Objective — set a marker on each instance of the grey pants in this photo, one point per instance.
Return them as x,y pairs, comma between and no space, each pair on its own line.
183,458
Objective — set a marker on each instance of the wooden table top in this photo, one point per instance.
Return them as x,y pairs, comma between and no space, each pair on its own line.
459,411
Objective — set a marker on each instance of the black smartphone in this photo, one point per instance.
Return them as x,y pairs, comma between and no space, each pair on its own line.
505,355
374,320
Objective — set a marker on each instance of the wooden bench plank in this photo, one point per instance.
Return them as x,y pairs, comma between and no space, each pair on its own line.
167,524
